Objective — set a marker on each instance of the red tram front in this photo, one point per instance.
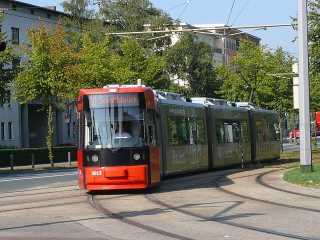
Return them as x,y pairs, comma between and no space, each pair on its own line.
118,148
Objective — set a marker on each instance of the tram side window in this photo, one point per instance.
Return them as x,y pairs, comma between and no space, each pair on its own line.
201,132
177,131
228,132
274,131
186,131
262,135
245,131
236,132
197,131
220,132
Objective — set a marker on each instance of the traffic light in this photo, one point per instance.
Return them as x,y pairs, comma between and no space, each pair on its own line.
3,46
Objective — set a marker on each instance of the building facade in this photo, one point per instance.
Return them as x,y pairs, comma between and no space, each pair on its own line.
26,125
224,42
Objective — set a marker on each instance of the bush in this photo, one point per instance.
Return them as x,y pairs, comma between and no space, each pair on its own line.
23,156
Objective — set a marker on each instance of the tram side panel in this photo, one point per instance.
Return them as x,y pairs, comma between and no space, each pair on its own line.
266,137
185,145
229,135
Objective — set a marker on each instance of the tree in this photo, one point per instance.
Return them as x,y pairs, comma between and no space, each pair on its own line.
8,68
137,15
191,62
314,50
257,75
99,64
278,92
45,76
144,64
131,15
246,74
79,9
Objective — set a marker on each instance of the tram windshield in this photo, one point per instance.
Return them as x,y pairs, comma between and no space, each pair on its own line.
114,121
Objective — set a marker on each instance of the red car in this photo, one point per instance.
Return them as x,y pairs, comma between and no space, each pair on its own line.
295,133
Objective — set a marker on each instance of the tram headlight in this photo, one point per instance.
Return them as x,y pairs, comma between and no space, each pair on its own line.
136,156
95,158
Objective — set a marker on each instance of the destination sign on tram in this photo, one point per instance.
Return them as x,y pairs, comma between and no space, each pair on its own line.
109,100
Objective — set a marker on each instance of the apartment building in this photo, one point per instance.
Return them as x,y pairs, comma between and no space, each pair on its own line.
224,42
26,125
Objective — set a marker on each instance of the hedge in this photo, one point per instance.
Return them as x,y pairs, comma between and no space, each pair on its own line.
23,156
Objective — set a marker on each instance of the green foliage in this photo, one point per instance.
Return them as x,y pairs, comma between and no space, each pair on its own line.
257,75
46,75
137,15
314,50
296,176
191,62
132,15
7,69
142,64
78,9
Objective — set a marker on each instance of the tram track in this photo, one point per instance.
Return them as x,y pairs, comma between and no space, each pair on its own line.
259,180
229,192
227,222
109,213
217,182
24,192
44,199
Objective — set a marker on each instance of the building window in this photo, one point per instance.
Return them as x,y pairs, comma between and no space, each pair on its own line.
15,38
2,130
14,7
48,15
7,98
217,50
32,12
9,130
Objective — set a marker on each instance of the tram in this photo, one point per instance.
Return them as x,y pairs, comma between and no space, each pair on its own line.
131,136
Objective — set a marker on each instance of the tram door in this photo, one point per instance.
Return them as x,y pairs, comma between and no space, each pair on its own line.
154,148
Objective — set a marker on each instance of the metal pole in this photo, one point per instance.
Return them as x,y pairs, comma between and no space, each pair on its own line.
69,158
304,94
11,162
32,160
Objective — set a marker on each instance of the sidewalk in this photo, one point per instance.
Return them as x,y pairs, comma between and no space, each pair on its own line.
38,168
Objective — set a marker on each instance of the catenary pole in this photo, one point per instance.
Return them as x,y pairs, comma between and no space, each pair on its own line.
304,92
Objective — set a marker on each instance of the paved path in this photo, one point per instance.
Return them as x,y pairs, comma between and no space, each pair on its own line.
252,204
21,181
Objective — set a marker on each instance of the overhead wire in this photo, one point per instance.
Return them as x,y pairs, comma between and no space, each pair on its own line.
186,5
245,5
230,12
176,6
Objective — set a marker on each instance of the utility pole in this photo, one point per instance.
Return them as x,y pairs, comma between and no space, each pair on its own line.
304,92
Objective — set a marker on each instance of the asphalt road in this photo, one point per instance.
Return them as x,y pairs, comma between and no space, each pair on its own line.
293,147
16,182
250,204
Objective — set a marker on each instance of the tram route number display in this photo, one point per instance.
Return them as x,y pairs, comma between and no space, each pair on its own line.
109,100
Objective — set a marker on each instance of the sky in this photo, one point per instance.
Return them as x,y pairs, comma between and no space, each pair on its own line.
244,12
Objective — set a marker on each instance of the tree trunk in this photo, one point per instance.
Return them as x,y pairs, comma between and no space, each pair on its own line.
50,134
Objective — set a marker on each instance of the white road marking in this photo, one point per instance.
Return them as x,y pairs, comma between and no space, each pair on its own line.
37,177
